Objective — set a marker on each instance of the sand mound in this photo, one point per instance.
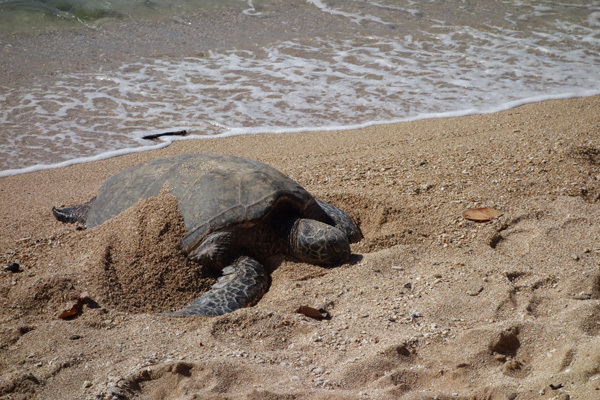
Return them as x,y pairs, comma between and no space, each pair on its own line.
138,265
131,263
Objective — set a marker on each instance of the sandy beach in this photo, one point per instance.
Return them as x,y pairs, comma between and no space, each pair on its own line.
431,305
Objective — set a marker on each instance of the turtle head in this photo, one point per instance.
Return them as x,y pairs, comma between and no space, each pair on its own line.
318,243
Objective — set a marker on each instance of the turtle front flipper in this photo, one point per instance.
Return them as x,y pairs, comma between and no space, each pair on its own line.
242,284
74,214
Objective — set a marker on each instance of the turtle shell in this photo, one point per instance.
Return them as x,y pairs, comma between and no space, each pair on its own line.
213,192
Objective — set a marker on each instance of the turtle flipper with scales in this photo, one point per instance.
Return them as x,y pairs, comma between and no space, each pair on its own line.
236,212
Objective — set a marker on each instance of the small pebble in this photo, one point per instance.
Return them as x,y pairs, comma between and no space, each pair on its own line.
13,267
475,291
512,365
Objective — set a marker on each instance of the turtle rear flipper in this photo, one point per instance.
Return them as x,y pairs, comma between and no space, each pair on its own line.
243,283
73,214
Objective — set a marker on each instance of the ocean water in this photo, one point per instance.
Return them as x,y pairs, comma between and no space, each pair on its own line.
84,79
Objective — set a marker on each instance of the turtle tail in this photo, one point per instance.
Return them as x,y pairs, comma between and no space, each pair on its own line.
73,214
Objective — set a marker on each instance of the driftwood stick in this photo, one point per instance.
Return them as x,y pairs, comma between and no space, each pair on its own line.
157,135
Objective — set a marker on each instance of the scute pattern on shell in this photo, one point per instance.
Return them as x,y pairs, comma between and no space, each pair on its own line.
213,192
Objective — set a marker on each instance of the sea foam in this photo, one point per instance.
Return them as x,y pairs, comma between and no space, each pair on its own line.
320,83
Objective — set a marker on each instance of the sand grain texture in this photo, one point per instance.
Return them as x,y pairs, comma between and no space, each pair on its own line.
432,306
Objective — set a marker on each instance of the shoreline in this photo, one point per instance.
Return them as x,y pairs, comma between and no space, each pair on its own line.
431,305
165,142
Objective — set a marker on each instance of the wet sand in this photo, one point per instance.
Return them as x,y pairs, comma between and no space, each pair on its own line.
430,306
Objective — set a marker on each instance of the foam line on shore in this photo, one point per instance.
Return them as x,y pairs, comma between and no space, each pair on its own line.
165,141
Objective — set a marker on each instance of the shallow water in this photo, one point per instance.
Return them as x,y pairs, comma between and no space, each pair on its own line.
74,89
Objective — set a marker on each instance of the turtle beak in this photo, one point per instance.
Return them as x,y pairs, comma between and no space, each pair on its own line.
340,249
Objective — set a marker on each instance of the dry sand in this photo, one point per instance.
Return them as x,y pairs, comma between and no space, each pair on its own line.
431,306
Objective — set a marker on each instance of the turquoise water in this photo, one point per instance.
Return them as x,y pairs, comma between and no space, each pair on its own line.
44,15
82,80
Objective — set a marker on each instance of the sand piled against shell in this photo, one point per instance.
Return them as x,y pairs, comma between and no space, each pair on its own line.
136,260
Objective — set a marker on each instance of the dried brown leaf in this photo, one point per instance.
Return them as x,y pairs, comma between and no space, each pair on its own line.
313,312
76,308
481,214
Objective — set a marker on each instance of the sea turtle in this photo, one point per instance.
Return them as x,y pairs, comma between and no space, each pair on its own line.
236,212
